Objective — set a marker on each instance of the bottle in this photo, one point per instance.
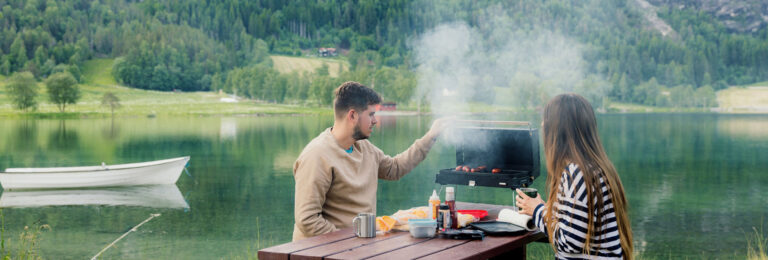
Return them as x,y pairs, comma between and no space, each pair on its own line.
439,219
434,201
450,201
444,217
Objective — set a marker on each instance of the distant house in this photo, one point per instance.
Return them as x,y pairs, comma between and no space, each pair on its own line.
326,52
386,106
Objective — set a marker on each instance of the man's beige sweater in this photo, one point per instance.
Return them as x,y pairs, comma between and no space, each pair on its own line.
333,186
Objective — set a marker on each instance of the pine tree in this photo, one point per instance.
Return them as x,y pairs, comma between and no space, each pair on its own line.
41,56
5,67
18,55
624,89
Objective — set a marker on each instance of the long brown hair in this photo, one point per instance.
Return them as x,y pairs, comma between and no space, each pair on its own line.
570,136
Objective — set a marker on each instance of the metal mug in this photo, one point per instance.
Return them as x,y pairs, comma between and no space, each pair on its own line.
365,225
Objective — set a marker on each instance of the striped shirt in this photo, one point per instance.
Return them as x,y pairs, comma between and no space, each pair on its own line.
572,213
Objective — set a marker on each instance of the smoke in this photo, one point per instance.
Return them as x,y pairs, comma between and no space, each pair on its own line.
446,74
494,63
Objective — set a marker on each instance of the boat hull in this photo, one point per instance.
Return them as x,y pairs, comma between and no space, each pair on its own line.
148,173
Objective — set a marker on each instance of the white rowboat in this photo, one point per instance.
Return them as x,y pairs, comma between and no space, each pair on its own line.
145,173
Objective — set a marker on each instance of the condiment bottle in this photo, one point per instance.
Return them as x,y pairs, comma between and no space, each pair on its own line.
434,201
444,217
450,200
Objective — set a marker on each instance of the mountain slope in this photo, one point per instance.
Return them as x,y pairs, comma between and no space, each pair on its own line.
737,15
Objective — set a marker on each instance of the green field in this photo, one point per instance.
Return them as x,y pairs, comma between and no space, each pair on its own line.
286,64
99,72
137,102
752,98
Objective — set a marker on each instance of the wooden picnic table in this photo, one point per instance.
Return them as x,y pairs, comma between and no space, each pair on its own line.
343,244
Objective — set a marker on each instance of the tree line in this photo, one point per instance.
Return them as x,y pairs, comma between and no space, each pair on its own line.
264,83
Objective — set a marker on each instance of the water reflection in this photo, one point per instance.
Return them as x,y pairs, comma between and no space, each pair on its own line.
24,132
152,196
63,138
112,131
744,126
695,182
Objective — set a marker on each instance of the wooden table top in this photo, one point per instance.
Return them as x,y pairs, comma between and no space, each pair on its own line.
343,244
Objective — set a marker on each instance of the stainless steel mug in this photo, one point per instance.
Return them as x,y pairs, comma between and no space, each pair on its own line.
365,225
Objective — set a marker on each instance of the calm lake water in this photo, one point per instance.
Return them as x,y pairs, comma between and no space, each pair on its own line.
697,183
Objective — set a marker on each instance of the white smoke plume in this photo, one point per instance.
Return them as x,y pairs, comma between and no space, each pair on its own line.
494,63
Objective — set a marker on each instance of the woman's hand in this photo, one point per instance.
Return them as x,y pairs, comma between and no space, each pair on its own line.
527,204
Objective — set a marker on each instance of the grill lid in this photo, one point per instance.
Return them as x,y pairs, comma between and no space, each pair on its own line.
515,151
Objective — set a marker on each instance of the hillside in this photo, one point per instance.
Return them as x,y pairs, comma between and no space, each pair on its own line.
744,16
286,64
622,48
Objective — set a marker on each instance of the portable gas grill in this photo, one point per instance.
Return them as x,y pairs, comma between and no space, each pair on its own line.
513,152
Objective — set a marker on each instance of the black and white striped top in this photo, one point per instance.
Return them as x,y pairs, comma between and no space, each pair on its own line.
572,213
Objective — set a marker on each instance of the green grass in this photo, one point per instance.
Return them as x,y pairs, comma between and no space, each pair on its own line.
634,108
26,245
757,245
99,72
758,84
288,64
136,102
637,108
749,98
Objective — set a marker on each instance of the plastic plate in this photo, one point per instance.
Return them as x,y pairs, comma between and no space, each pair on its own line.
479,214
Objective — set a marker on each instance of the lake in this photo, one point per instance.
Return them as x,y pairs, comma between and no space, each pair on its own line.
697,184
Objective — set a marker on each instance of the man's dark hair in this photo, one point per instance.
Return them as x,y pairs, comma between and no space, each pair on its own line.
353,95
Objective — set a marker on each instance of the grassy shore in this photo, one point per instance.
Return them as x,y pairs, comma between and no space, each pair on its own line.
136,102
97,80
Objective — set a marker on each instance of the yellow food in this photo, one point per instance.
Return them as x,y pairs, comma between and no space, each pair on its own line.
385,223
464,219
402,216
420,213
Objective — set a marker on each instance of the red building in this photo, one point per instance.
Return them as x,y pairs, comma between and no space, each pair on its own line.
386,106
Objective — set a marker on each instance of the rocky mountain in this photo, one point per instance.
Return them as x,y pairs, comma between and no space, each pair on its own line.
742,16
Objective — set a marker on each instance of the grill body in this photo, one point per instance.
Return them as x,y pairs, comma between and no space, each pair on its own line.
515,152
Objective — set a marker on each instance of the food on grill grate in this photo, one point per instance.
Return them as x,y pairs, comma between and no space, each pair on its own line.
462,168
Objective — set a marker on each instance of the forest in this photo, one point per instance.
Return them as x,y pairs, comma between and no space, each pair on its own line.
202,45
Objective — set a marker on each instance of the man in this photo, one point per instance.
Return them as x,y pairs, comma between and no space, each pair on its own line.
336,174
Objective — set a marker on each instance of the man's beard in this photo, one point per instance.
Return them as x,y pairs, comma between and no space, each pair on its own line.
358,134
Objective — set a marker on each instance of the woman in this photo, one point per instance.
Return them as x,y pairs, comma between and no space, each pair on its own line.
577,168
